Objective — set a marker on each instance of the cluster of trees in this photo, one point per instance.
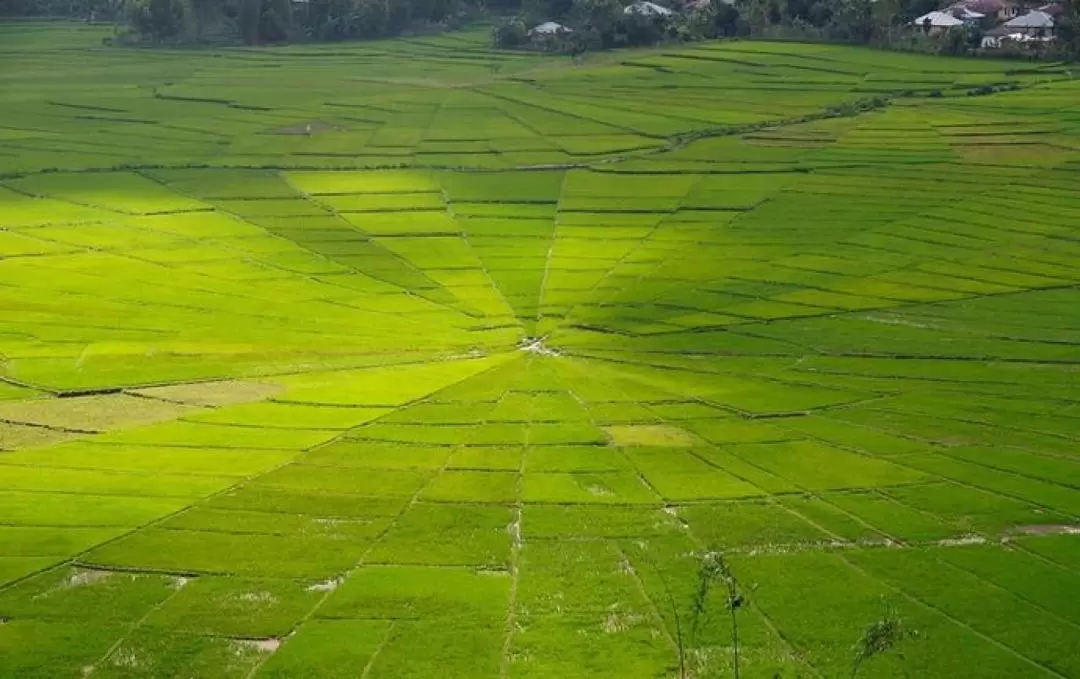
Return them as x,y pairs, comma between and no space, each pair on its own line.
255,21
594,24
274,21
601,24
604,24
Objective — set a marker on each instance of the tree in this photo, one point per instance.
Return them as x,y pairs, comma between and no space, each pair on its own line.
275,20
1068,31
510,33
159,20
725,19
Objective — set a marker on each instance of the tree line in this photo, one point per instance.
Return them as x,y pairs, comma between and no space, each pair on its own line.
587,25
255,22
594,24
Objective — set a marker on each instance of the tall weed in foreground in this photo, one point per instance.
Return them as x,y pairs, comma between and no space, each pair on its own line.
714,570
881,636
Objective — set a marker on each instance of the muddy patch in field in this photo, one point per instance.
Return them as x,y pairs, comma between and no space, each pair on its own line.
306,128
962,541
214,394
599,491
20,436
90,414
260,645
325,586
85,578
1046,529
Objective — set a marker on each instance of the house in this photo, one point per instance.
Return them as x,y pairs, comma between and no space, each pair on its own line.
1010,9
936,22
646,8
966,15
1035,23
984,7
549,28
994,38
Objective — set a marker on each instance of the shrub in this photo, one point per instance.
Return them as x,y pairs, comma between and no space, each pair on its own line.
510,33
159,20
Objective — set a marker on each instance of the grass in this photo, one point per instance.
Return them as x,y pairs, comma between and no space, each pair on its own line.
472,380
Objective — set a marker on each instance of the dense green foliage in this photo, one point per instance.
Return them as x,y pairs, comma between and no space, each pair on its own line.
593,24
603,24
273,403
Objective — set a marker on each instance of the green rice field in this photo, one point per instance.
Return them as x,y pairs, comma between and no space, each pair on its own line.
414,359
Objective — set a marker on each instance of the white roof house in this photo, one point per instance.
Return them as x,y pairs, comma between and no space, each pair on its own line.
965,14
938,20
550,28
646,8
1035,19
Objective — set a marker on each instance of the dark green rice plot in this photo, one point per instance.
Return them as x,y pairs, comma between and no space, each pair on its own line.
515,186
684,410
621,488
492,458
14,567
823,605
470,650
377,455
87,596
109,482
575,459
970,509
37,649
847,435
583,521
1052,469
236,607
893,518
577,577
421,593
472,486
814,466
271,523
218,436
440,413
1040,493
1031,578
276,501
1038,635
28,541
450,535
569,433
557,407
678,475
496,434
1063,550
621,413
749,525
415,434
66,509
374,483
327,649
831,518
254,555
617,643
731,430
150,653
